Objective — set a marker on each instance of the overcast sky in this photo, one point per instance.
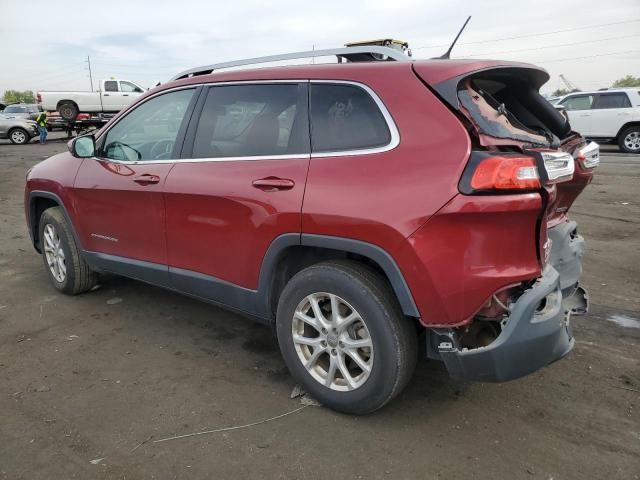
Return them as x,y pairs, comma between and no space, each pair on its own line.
44,44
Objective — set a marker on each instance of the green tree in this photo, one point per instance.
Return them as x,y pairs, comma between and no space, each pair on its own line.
628,81
560,92
12,96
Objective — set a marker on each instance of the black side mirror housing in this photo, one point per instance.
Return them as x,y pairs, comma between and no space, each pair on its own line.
83,147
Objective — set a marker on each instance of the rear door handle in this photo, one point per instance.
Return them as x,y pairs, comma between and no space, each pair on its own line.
125,94
147,179
271,184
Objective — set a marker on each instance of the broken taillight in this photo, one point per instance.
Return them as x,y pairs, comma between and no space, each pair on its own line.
589,155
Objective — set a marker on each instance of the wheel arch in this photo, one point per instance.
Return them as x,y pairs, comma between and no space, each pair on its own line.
66,100
39,201
290,253
635,123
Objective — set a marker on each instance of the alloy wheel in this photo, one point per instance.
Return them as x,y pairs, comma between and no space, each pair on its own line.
332,342
54,253
18,136
632,141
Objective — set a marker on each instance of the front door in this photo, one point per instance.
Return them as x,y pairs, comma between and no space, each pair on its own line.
578,108
240,186
119,193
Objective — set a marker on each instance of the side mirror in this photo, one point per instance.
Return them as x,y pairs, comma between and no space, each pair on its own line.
83,147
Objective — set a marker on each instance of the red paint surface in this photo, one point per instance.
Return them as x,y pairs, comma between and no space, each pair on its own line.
454,251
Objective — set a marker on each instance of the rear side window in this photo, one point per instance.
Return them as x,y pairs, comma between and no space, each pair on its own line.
111,86
578,102
345,117
610,100
253,120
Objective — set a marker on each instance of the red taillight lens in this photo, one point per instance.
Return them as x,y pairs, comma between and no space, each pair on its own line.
506,173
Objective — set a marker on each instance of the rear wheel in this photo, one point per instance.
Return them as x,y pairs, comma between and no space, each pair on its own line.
68,110
344,338
19,136
629,140
67,270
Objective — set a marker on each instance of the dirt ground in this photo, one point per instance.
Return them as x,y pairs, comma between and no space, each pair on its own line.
88,383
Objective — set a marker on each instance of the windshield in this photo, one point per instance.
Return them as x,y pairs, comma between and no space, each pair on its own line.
15,109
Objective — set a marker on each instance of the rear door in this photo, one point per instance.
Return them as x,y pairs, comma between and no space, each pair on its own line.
239,185
119,192
610,110
112,98
578,108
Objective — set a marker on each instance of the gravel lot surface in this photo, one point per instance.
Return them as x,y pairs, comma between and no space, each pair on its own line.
88,383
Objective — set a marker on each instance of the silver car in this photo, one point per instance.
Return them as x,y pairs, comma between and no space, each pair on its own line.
19,130
21,110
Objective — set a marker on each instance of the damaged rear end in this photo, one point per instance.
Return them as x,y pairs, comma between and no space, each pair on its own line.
521,146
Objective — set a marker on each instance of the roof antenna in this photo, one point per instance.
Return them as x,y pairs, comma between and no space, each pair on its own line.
447,54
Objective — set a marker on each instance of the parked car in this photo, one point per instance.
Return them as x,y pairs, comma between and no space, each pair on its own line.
21,110
607,116
113,96
359,208
19,130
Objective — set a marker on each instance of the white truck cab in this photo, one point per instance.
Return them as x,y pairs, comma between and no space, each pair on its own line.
112,96
611,115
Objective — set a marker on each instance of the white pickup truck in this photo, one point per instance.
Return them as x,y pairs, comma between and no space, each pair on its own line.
112,96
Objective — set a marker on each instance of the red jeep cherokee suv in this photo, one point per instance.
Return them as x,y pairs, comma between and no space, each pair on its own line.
361,208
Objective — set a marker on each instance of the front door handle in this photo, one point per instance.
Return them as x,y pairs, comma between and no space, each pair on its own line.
147,179
125,94
271,184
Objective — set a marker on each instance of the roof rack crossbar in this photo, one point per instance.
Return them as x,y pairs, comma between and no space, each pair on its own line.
353,54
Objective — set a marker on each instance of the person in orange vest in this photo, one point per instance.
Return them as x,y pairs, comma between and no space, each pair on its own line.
41,120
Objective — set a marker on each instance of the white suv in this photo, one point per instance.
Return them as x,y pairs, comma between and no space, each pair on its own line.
611,115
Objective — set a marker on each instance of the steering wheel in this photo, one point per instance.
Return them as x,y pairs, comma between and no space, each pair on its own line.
162,150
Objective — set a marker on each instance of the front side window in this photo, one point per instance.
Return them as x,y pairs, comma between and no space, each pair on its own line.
611,100
149,131
345,117
252,120
128,87
578,102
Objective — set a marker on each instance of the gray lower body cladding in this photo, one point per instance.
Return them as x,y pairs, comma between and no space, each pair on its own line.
537,331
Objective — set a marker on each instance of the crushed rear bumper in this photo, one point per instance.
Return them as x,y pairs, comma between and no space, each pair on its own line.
537,331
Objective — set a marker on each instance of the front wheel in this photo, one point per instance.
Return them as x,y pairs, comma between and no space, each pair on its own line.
67,270
19,136
629,140
344,338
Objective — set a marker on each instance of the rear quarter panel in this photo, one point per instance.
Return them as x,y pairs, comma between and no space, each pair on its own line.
383,198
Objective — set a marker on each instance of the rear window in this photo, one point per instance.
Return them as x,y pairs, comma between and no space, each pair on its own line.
345,117
611,100
111,86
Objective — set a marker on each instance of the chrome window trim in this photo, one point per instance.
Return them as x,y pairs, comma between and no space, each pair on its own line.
393,130
394,141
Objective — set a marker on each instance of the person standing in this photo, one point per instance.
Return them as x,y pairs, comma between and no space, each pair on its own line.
41,120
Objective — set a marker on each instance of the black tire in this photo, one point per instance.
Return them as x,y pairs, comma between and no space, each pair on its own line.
68,110
393,336
624,145
79,277
19,136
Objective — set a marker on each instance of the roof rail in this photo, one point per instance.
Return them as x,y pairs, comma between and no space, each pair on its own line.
351,54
